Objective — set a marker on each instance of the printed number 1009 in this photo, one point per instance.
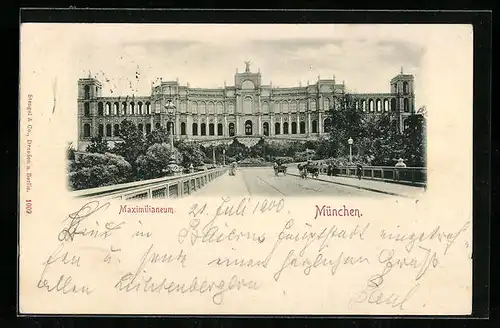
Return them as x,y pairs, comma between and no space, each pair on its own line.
28,207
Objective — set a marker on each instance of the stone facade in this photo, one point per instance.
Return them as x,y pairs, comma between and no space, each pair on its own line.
248,109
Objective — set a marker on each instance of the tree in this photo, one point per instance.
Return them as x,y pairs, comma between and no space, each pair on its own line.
346,122
70,152
237,150
132,144
97,170
97,145
154,163
414,141
159,135
191,153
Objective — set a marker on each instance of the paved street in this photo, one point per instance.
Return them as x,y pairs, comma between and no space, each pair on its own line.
262,181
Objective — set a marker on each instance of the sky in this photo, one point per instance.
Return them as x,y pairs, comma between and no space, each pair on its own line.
130,57
127,58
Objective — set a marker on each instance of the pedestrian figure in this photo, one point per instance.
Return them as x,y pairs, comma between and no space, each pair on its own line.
399,165
359,169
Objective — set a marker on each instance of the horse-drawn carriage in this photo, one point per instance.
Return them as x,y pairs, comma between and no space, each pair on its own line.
308,168
279,168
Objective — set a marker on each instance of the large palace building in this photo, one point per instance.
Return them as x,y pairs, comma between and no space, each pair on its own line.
247,109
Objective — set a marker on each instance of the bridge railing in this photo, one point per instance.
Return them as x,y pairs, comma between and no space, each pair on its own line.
407,175
166,187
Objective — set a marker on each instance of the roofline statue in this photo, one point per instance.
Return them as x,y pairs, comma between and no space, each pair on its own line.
247,63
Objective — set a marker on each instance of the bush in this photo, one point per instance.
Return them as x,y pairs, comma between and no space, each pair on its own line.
155,163
284,160
98,170
253,160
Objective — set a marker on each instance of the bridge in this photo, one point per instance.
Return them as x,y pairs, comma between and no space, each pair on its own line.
376,182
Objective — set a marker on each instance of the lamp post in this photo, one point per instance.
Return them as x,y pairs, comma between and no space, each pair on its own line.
350,142
223,156
170,107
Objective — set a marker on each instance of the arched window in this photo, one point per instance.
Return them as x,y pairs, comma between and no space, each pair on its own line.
211,129
314,127
230,108
115,108
371,105
124,108
87,92
265,107
326,104
148,128
247,85
211,108
108,130
293,106
183,128
302,106
139,108
247,105
294,127
406,88
219,108
202,108
183,106
220,129
302,127
327,125
195,129
100,109
386,105
101,130
132,108
148,108
140,127
406,103
379,105
313,104
157,126
265,127
231,129
285,128
248,128
277,128
203,129
86,130
170,127
393,104
194,107
116,130
285,107
363,105
86,109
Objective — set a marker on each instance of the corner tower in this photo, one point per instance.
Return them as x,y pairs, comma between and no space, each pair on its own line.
89,90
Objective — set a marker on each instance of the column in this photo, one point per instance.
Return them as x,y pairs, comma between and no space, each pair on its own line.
289,123
259,128
177,130
320,123
237,125
199,125
271,125
281,124
308,131
216,122
207,130
226,127
298,123
189,127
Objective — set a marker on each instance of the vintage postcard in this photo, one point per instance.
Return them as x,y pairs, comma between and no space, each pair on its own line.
245,169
